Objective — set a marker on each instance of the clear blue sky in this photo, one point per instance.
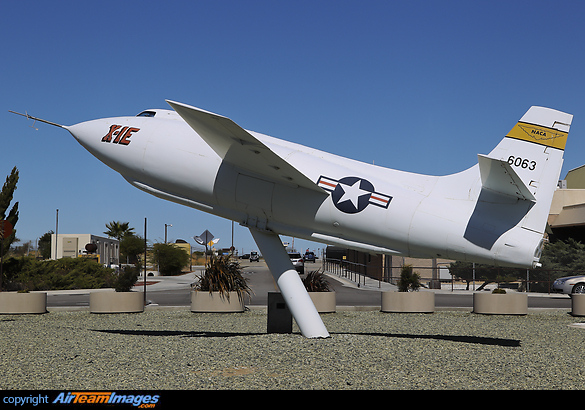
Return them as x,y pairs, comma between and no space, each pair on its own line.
421,86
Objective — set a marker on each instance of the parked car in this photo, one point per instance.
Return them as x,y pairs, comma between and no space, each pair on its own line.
297,261
569,284
254,257
309,257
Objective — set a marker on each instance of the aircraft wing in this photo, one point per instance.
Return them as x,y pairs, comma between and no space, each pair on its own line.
240,148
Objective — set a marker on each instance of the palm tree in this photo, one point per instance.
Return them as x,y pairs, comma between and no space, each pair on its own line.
118,230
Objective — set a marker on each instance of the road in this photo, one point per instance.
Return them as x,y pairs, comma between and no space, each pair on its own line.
175,291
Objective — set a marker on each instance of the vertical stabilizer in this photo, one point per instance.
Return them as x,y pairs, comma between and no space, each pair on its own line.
534,149
519,177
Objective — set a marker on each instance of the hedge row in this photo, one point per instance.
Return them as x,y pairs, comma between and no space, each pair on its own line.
27,274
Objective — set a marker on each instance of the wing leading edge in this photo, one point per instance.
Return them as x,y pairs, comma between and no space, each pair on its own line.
240,148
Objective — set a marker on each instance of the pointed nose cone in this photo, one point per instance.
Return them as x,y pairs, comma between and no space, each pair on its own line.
89,135
86,133
111,141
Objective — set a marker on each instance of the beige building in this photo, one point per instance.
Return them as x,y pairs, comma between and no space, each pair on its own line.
575,178
104,250
567,213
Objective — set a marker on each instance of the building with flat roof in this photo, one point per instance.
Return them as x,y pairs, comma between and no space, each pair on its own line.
104,250
575,178
567,212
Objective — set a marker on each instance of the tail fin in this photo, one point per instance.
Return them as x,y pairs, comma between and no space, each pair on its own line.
517,166
533,150
523,171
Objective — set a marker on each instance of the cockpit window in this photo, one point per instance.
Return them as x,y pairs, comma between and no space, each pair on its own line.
147,114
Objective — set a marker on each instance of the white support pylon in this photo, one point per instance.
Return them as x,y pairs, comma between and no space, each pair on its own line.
291,287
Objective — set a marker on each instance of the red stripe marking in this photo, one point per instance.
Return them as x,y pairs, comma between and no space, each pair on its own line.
379,199
328,183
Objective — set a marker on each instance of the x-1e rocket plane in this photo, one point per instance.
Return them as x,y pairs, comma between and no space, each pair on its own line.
494,212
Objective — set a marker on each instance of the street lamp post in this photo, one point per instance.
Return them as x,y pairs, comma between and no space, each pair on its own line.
167,225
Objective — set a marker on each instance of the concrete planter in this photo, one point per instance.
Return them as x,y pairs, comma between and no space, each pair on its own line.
116,302
408,302
203,301
500,304
325,302
12,303
578,304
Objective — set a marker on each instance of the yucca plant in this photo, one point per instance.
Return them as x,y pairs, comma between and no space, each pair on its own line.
316,281
223,275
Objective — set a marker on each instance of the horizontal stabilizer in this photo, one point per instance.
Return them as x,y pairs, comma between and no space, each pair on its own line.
500,177
240,148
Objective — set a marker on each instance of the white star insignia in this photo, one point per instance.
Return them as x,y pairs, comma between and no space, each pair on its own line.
353,193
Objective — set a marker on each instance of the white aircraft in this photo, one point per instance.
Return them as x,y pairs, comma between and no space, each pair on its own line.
494,212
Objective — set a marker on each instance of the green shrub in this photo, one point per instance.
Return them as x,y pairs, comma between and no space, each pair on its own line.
170,259
68,273
126,278
409,280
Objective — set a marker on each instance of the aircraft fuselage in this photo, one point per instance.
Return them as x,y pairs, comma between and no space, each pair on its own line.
362,206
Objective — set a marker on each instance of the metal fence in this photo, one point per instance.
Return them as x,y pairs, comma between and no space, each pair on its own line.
531,280
355,272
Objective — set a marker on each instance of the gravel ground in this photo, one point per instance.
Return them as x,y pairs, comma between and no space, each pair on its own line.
177,349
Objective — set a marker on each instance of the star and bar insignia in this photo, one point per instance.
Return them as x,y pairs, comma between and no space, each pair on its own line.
353,194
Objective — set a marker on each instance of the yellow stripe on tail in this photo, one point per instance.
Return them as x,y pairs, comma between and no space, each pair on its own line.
539,135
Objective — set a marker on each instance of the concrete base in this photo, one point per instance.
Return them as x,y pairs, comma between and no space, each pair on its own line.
500,304
578,304
116,302
408,302
13,303
280,318
203,301
325,302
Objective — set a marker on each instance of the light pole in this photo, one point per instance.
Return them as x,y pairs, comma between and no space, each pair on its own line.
167,225
56,233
